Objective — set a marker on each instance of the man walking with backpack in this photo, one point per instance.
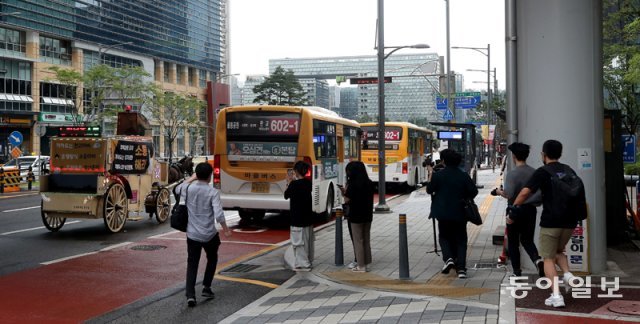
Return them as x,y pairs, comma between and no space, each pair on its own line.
563,205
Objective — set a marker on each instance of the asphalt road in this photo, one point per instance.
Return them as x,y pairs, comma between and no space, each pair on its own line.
72,263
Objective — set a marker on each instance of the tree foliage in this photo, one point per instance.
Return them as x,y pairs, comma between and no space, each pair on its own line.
174,112
621,58
281,88
70,79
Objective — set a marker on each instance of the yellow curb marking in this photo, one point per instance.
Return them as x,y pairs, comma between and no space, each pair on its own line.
244,258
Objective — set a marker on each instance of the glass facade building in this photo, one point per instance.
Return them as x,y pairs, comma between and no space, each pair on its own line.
187,32
410,96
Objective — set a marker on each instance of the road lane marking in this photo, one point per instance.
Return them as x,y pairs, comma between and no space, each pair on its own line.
19,209
22,195
34,228
111,247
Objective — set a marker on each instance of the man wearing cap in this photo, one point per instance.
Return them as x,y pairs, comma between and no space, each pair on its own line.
521,225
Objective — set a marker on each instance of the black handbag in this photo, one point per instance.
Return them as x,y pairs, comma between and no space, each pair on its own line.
471,212
180,213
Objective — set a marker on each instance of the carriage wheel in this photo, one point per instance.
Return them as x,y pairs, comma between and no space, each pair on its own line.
115,208
53,224
163,205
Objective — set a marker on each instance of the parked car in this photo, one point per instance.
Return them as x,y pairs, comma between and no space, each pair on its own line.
24,162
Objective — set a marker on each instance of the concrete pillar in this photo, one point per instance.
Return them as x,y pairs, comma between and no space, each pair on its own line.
159,71
559,93
172,73
77,61
184,75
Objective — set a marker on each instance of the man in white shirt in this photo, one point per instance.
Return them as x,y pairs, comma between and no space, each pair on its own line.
203,203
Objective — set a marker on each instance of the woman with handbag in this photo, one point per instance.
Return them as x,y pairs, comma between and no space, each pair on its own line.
358,195
449,189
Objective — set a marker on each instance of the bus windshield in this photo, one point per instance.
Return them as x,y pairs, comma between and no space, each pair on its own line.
262,133
393,136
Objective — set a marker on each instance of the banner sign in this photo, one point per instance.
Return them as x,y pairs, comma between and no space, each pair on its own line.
131,157
577,248
261,149
78,155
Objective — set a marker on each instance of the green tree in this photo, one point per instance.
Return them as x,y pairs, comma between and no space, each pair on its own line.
97,85
174,112
70,80
621,58
281,88
131,85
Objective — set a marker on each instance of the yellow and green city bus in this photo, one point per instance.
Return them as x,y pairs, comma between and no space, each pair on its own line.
406,146
256,145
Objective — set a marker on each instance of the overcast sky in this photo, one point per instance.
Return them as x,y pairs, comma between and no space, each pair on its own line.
265,29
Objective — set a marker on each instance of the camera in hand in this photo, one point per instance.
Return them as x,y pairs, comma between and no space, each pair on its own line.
428,162
494,192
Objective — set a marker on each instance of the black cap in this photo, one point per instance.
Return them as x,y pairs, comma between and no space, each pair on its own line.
518,147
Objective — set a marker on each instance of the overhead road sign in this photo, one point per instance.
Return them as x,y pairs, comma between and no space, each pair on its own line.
15,138
462,100
368,80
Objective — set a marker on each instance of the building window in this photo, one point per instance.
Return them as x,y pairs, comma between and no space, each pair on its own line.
57,98
179,74
203,114
180,141
12,41
55,51
155,133
92,58
203,78
15,86
192,74
167,68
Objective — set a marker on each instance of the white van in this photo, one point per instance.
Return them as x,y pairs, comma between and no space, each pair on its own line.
24,162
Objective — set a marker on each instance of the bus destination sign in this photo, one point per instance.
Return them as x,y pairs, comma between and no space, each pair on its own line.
263,124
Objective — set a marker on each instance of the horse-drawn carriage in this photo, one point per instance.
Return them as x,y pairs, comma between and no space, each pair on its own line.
108,178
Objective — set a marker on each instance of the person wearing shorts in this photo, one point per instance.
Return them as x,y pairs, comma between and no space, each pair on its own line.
555,230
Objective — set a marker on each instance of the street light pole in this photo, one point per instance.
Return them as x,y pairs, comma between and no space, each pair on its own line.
450,103
102,50
489,112
382,201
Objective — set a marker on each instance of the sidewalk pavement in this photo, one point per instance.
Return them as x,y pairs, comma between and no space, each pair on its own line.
334,294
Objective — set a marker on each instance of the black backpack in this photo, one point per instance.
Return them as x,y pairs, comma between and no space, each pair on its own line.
568,194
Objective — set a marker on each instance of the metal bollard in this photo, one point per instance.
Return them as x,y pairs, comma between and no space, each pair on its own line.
403,247
339,252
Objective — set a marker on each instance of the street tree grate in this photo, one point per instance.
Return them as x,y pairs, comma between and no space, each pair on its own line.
242,268
148,247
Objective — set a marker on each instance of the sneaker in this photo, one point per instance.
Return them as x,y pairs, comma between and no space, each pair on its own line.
555,301
462,274
359,269
352,265
540,266
447,266
191,302
207,293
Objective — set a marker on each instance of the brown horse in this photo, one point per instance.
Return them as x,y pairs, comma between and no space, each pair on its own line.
180,169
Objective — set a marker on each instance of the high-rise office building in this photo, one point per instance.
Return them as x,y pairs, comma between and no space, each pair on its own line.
348,102
410,95
181,44
247,90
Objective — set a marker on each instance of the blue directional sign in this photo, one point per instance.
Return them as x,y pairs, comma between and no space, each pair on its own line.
15,138
448,115
463,100
629,148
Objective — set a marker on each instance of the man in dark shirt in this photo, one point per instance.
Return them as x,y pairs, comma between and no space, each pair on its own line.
302,237
555,230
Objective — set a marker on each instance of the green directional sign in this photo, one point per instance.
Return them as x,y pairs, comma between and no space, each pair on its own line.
467,94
